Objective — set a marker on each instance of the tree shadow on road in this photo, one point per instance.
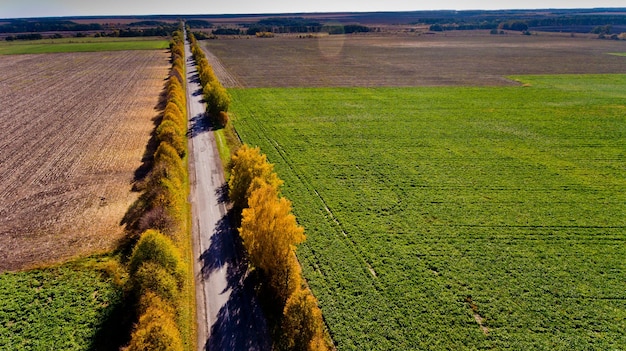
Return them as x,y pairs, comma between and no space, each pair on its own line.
240,324
222,194
198,125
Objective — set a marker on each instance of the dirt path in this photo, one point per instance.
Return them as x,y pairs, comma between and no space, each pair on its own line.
229,317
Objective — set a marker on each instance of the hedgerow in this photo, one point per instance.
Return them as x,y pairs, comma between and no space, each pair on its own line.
215,95
160,278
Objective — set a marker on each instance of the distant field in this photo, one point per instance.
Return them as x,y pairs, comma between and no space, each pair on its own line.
455,218
452,58
74,129
60,308
79,45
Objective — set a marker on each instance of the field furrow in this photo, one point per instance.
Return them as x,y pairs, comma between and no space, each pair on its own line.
72,137
451,59
456,218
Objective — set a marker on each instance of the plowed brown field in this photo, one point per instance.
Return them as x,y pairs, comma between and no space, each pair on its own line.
73,130
466,58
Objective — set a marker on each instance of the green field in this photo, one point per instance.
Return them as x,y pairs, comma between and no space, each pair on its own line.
70,307
457,217
80,45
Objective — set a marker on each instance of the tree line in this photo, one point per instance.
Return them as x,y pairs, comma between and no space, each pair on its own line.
215,95
268,229
157,272
524,22
270,233
31,29
301,25
43,25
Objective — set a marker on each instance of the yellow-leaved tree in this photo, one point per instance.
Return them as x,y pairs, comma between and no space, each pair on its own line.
248,164
270,232
302,325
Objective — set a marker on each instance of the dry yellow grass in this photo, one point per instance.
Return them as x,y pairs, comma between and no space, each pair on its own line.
74,129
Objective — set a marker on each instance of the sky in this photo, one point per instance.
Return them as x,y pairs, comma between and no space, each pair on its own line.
54,8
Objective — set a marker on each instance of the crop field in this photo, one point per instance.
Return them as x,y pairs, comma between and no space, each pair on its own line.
80,45
456,217
74,128
61,308
453,58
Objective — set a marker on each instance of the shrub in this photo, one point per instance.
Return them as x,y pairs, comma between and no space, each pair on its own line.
159,249
164,206
168,164
156,331
152,277
150,299
217,99
157,218
222,118
169,132
172,113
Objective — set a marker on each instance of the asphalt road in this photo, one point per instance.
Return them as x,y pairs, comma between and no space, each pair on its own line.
229,317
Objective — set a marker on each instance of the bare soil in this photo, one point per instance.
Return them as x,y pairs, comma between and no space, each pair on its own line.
473,58
74,129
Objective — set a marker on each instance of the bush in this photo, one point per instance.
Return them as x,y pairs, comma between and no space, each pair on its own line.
217,99
168,164
157,218
222,118
156,331
173,113
170,133
156,248
151,277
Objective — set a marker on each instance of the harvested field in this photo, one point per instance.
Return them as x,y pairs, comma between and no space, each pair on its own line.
74,129
469,58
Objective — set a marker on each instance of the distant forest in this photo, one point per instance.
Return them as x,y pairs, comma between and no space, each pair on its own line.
560,23
602,21
301,25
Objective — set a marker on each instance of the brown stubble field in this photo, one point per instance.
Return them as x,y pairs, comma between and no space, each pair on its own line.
473,58
74,128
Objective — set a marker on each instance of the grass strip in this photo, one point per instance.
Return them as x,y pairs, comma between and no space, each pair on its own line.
95,46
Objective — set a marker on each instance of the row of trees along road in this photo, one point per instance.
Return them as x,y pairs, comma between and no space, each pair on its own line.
215,94
156,267
270,234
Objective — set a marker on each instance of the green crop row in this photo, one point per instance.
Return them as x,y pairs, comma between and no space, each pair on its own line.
456,217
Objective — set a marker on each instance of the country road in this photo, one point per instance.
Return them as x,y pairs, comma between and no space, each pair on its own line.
228,315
